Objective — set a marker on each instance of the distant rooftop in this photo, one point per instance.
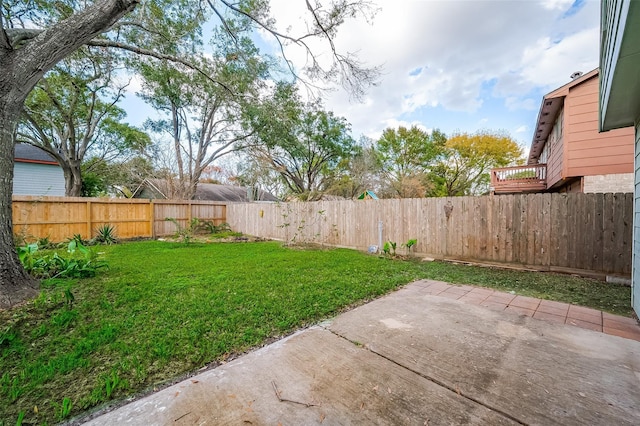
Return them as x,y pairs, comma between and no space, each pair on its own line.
160,188
26,153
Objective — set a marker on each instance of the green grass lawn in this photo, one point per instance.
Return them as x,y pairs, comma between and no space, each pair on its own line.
163,310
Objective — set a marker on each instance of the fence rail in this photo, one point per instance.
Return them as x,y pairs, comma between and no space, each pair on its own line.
59,218
561,232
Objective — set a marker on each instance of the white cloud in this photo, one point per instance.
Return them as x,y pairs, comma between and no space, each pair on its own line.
133,82
458,55
515,103
557,4
522,129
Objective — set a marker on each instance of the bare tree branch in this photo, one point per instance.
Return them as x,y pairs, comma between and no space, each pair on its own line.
15,37
143,28
157,55
223,21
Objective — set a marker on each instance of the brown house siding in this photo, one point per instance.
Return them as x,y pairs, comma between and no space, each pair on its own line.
587,151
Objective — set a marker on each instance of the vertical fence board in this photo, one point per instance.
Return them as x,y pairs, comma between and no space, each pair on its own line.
517,234
608,219
622,228
546,240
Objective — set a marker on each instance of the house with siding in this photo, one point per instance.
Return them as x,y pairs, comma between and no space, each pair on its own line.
568,153
36,173
620,97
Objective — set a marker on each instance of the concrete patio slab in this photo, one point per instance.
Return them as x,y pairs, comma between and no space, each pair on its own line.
413,358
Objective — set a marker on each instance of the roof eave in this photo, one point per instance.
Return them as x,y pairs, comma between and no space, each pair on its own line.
619,61
550,108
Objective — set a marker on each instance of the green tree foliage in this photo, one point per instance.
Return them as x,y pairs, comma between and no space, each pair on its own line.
302,142
464,170
406,156
358,173
72,113
202,115
257,173
115,178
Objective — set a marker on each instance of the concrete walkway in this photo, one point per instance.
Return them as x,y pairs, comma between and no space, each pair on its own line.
415,357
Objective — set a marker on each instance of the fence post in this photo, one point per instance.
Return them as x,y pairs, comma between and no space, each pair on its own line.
89,220
152,219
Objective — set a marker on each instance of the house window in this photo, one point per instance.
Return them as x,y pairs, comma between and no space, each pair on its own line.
557,128
544,155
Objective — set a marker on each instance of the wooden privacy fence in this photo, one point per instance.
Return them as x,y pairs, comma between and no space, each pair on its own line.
59,218
557,232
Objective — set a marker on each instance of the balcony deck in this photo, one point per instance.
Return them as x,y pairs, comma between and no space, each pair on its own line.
517,179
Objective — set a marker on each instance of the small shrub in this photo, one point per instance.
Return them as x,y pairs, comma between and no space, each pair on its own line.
197,226
389,248
45,243
77,239
185,233
106,234
410,243
223,227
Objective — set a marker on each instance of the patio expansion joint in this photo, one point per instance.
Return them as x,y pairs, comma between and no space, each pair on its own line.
431,379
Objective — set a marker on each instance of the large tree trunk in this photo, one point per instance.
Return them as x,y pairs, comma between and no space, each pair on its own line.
72,180
15,284
21,69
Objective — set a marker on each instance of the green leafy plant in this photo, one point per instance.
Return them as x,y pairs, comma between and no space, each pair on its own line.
218,231
80,263
45,243
410,243
106,234
222,228
389,248
26,255
185,233
77,239
386,248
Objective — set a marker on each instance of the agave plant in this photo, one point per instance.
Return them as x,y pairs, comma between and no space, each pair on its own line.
106,234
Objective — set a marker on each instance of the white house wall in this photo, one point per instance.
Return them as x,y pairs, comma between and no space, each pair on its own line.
37,179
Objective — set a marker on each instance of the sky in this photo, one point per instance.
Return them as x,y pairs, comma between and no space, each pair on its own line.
455,65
